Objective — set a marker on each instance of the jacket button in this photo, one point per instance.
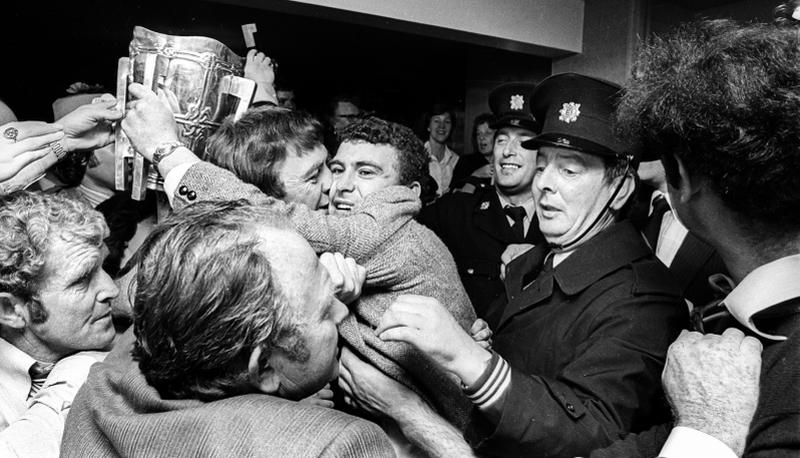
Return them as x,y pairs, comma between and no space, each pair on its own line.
570,407
470,271
183,190
191,195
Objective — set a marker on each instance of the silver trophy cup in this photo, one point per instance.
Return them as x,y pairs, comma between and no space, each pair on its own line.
201,80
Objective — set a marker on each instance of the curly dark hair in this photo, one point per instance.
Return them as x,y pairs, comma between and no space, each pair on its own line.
725,99
412,158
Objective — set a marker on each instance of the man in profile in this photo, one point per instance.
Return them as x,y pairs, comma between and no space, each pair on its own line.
220,379
54,305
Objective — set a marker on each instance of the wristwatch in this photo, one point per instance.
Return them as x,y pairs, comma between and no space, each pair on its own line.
163,150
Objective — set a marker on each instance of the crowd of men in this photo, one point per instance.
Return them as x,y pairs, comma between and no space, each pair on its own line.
620,281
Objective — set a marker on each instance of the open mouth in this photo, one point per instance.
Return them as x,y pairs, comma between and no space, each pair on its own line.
343,206
509,167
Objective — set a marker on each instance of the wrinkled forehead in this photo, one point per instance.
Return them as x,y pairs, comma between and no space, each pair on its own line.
68,255
551,153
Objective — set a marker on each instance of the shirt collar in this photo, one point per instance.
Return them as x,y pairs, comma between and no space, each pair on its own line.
769,285
448,157
529,205
14,366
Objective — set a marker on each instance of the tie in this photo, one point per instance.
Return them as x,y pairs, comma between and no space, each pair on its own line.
517,214
38,372
653,226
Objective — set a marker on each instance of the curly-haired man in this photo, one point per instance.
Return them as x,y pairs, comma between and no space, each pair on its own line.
54,305
720,103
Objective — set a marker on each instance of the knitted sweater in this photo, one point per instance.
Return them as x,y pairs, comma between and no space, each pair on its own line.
117,413
401,257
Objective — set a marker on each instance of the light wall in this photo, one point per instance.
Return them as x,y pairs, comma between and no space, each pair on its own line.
541,27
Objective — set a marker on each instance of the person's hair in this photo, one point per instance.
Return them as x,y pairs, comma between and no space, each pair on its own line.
259,141
784,14
354,99
412,159
207,296
483,118
724,98
29,224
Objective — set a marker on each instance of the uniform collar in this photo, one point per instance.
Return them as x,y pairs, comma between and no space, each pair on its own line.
614,247
529,205
769,285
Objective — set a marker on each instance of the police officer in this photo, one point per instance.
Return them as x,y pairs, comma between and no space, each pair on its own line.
477,227
580,342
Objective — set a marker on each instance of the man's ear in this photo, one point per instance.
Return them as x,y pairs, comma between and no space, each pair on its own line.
625,192
264,379
13,312
686,188
416,187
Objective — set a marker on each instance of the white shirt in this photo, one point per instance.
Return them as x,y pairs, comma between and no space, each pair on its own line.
442,171
766,286
33,428
529,206
670,236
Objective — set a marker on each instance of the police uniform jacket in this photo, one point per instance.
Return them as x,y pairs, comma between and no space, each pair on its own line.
476,231
586,343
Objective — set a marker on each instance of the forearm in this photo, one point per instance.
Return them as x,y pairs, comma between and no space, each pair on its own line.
430,432
375,220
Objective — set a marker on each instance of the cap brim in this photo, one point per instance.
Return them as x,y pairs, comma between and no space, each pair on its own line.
516,121
569,142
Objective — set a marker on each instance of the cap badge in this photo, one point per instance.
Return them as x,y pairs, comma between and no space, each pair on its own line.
569,112
563,141
517,102
485,205
514,122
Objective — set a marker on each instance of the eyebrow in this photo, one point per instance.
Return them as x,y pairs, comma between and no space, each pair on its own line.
313,170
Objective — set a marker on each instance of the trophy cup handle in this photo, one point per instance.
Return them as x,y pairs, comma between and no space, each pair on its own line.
140,172
122,150
241,88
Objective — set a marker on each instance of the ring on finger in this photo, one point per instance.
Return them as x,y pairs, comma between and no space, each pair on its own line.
11,134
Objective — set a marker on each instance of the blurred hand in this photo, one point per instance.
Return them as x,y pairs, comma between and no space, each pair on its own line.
423,323
711,381
512,252
90,126
367,388
149,121
481,333
347,276
32,138
322,398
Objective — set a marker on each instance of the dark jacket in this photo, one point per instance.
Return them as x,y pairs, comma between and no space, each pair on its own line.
586,343
476,231
775,428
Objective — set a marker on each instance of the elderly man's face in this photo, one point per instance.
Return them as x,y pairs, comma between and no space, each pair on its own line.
306,177
570,190
316,310
76,294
